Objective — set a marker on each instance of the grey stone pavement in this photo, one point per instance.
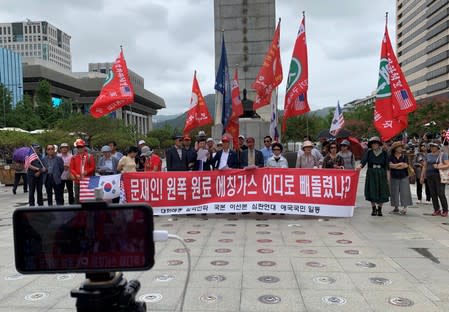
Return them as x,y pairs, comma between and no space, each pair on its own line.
268,263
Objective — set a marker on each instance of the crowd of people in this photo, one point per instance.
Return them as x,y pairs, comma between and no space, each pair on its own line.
389,175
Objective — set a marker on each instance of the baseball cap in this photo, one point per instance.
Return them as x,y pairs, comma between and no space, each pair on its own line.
64,145
241,137
209,140
141,142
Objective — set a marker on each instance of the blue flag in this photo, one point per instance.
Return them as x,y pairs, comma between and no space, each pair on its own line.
223,85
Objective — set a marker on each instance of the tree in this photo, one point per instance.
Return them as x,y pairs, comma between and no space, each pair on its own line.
47,113
6,105
24,116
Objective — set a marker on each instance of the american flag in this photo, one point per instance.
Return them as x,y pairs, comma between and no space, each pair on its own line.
87,189
30,157
338,121
403,99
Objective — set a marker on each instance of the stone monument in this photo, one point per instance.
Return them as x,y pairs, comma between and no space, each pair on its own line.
248,27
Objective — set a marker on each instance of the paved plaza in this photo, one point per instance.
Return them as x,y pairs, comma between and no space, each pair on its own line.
268,263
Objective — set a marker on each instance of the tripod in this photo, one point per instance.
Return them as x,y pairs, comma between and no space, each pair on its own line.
107,292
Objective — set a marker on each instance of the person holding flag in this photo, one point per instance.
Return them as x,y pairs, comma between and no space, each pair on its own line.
81,165
298,78
35,175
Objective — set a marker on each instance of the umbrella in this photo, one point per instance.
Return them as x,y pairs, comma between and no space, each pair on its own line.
343,133
20,153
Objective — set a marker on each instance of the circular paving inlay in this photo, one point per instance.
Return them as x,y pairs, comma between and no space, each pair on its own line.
380,281
232,219
230,224
225,240
36,296
166,225
228,232
401,301
262,225
172,219
193,232
150,298
308,251
264,241
294,225
268,279
265,250
174,262
334,300
164,278
189,240
219,262
197,225
65,277
210,298
327,280
303,241
269,299
215,278
336,233
223,250
14,277
298,232
352,252
321,219
365,264
266,263
315,264
180,250
263,232
344,241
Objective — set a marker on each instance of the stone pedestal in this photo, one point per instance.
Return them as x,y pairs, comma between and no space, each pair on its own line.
256,128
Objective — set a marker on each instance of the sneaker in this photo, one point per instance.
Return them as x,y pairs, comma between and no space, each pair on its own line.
428,202
437,213
419,202
444,214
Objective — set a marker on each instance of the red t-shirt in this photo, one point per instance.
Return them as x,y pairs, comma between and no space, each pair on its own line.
153,163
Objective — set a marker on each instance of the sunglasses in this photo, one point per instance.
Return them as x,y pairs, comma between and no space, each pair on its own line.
51,148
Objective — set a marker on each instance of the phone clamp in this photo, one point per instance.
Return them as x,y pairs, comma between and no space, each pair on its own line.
107,292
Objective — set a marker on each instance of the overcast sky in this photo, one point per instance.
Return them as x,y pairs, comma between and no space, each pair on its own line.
166,40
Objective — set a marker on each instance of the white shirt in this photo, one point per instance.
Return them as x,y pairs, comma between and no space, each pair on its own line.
281,163
224,160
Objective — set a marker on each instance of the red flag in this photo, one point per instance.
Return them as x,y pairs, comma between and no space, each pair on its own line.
270,74
298,79
198,114
117,90
393,99
233,127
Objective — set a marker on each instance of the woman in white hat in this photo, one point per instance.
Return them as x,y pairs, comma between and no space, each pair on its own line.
307,159
376,183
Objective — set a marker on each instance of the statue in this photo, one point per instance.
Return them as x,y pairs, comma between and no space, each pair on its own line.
248,111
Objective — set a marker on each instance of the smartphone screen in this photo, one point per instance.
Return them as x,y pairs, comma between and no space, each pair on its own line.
98,238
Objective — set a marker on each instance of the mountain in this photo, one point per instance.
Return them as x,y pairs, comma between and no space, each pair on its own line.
162,118
179,120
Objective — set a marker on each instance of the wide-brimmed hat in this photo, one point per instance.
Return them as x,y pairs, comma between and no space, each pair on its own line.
106,149
146,151
345,142
435,143
210,140
374,139
307,144
395,145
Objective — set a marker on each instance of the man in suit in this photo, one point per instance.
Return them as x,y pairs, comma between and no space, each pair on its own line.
251,157
176,156
52,179
190,151
225,158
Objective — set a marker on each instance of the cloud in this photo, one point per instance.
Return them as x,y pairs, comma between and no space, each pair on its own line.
166,40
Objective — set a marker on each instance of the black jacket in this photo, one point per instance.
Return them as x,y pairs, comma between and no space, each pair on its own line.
232,160
174,163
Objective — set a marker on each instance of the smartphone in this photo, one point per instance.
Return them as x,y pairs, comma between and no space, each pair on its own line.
94,237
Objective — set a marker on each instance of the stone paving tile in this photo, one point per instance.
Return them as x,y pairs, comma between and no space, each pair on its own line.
325,281
380,301
269,280
381,281
279,300
315,265
366,265
216,278
212,299
326,300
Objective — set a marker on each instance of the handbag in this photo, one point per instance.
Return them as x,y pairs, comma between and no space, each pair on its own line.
411,175
444,173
